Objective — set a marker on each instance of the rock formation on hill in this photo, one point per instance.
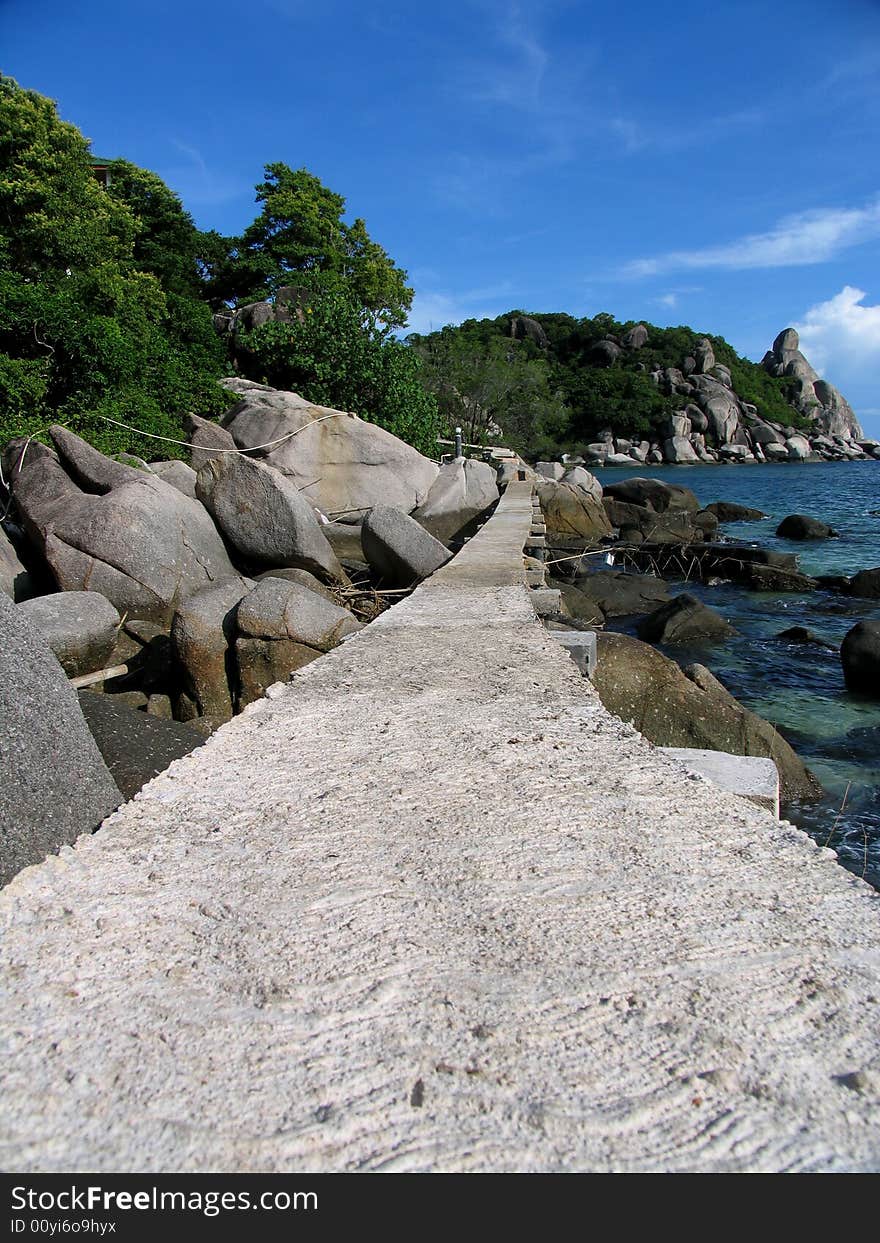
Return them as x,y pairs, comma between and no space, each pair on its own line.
818,400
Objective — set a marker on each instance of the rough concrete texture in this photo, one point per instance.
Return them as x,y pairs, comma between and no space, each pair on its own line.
750,776
430,907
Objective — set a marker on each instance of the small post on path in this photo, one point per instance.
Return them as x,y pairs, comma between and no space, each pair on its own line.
458,442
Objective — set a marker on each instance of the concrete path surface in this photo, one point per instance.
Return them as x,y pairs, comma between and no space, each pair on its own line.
430,907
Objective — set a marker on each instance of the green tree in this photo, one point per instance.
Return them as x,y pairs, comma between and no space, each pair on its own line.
300,234
86,328
332,353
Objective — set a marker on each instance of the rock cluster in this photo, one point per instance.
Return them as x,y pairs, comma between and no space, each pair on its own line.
715,424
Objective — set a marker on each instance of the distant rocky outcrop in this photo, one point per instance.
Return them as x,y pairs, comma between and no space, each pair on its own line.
817,399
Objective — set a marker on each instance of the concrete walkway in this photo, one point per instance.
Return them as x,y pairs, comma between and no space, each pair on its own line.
430,907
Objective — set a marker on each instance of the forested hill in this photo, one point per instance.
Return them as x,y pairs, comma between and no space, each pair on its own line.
554,383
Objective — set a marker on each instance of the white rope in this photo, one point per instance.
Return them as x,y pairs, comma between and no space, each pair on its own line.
186,444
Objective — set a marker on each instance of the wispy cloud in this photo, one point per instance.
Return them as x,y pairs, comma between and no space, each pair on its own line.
434,308
807,237
197,183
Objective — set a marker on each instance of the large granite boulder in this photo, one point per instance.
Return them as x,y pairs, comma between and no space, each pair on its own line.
464,489
690,708
639,524
679,451
635,338
14,578
203,635
860,657
571,511
135,746
283,626
816,398
135,539
55,785
345,464
398,549
799,448
704,356
209,441
685,619
265,517
178,474
577,477
81,628
550,470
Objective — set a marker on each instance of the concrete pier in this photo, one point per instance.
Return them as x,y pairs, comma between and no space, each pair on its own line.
430,907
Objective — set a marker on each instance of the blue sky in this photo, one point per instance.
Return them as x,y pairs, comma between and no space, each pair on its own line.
688,163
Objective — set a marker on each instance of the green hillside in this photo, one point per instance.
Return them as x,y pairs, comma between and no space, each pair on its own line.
539,379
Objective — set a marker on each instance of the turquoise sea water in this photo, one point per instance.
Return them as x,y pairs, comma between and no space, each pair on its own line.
800,688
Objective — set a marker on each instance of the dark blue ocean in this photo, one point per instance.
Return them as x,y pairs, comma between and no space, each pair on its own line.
801,688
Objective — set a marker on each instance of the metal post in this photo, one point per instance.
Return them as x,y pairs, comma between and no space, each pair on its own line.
458,442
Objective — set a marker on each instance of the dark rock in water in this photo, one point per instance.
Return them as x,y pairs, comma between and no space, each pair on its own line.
866,584
706,523
833,582
801,527
648,524
801,635
578,604
683,620
135,745
619,594
653,494
759,577
860,657
728,511
55,785
676,708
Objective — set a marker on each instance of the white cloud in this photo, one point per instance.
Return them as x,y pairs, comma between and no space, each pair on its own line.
842,334
841,338
808,237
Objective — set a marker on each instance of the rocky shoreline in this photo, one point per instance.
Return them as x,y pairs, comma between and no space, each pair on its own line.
171,597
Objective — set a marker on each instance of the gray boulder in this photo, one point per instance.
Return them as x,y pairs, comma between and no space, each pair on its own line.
397,549
81,628
178,474
684,620
635,338
265,517
572,511
605,353
577,477
816,398
91,469
55,785
679,451
690,708
349,465
206,438
798,448
283,626
463,490
141,542
550,470
860,657
14,578
776,453
704,356
203,635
